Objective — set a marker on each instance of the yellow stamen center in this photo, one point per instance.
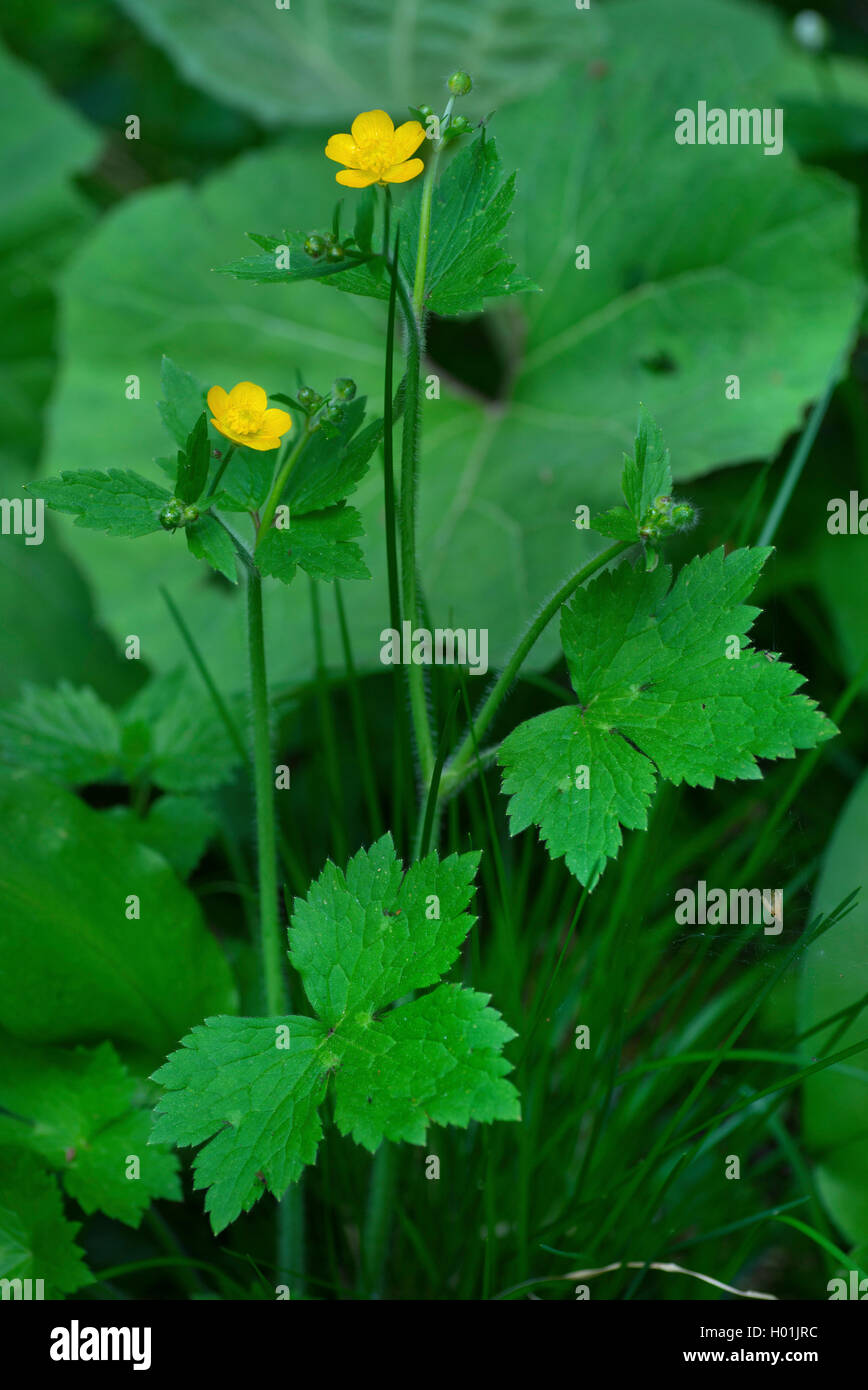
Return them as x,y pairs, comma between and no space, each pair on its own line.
243,419
376,156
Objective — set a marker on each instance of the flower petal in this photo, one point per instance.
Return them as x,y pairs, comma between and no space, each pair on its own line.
276,421
262,442
358,178
400,173
408,137
372,125
217,399
343,150
248,396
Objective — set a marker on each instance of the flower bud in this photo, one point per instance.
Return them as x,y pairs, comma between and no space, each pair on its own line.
459,83
172,514
335,412
315,246
191,514
344,388
307,397
335,252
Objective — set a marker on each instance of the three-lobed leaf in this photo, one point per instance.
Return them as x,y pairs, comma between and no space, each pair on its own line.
667,684
250,1090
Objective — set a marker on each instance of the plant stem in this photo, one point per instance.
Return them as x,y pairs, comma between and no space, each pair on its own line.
458,765
273,499
290,1212
221,470
266,843
409,596
378,1217
388,432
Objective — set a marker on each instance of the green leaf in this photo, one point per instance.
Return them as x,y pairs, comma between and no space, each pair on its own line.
193,462
209,541
69,734
467,263
36,1240
167,734
75,966
186,746
183,401
834,976
121,503
657,694
360,940
44,144
178,827
338,62
78,1111
648,473
256,1102
267,268
321,543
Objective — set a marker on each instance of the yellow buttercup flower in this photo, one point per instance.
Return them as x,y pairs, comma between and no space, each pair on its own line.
376,152
243,416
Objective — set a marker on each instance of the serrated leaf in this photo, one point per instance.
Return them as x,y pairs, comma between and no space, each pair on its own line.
209,541
193,462
119,502
320,543
69,734
434,1061
467,262
255,1102
36,1240
187,748
360,940
648,473
263,269
183,401
657,695
77,1111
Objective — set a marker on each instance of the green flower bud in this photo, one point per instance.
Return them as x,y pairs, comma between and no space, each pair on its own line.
682,515
423,112
307,397
344,388
335,253
459,83
335,411
315,245
191,514
172,514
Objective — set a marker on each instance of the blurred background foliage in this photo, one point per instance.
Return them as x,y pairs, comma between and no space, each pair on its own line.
703,263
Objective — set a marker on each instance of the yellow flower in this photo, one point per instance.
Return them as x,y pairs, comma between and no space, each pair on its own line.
376,152
242,415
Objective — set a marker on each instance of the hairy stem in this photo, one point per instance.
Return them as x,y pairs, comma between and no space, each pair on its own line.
273,499
458,765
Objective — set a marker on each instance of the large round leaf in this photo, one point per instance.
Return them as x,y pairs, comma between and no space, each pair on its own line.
834,975
73,965
315,60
